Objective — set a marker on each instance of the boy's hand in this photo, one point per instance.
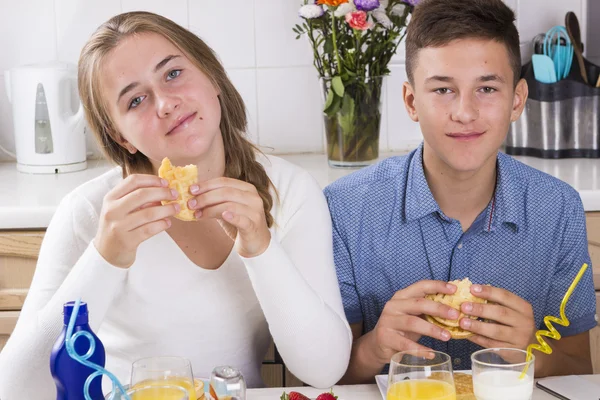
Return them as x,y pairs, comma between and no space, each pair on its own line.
513,325
401,325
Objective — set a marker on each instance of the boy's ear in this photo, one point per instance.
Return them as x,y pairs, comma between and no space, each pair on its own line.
519,99
408,94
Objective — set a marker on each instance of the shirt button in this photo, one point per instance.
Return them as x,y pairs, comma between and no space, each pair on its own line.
457,361
596,317
459,246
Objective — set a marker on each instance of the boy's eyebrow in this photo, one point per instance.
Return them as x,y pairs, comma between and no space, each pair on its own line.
439,78
483,78
491,78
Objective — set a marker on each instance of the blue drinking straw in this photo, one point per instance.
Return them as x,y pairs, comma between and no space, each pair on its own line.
70,344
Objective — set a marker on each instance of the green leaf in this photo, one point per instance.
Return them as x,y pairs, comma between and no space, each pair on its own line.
334,107
346,116
338,86
329,100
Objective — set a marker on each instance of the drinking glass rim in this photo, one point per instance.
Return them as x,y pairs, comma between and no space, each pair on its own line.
186,362
496,349
448,359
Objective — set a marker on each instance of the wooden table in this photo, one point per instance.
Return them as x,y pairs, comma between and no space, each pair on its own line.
363,392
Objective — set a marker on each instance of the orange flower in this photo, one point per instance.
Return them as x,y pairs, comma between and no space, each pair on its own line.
332,3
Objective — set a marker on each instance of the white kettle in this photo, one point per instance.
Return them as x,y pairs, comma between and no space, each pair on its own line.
49,125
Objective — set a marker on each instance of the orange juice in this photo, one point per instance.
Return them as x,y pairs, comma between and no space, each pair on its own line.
421,389
163,393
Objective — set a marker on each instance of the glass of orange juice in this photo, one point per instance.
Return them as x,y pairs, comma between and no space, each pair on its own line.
163,371
421,375
156,392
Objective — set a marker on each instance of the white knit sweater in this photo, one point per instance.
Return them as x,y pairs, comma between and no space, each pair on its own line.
166,305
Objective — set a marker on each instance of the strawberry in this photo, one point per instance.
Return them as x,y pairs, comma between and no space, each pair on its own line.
327,396
293,396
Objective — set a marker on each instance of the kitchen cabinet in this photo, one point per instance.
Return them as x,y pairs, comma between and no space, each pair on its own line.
19,250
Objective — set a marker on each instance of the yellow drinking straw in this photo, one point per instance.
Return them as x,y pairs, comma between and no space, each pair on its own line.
552,333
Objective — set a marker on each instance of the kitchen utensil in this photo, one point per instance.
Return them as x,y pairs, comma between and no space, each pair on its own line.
572,26
543,68
562,55
49,126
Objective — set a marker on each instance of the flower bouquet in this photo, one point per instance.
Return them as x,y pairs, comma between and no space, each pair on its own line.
353,42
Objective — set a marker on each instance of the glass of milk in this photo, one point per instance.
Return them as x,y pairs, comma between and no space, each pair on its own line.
497,374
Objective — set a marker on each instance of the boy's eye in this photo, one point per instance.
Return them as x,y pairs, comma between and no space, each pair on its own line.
488,90
442,91
173,74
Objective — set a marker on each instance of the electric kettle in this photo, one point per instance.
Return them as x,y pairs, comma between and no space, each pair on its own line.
49,125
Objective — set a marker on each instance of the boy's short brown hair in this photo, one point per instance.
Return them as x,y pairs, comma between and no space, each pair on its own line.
436,23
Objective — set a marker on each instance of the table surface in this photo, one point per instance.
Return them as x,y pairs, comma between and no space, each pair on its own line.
365,392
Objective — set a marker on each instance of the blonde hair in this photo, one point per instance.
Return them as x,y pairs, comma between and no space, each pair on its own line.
240,154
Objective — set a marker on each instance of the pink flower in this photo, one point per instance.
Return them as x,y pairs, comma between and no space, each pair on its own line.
358,20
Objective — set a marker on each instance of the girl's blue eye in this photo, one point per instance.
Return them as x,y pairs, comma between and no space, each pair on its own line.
135,102
173,74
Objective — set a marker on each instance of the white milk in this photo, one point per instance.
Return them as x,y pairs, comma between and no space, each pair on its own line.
502,385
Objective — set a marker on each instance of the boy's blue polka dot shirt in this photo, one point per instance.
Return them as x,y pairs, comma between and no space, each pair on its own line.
389,232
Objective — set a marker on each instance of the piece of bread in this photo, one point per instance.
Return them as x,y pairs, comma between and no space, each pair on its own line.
180,179
462,294
464,386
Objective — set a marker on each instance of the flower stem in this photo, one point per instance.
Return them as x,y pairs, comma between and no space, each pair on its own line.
335,48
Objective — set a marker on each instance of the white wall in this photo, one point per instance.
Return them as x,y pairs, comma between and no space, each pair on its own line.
271,69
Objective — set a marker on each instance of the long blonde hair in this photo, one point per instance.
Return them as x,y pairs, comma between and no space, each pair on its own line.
240,154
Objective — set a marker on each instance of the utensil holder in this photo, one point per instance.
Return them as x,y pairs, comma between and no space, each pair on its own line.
560,120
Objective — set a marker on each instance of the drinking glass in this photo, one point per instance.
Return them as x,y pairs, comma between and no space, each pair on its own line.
497,374
170,371
155,392
421,375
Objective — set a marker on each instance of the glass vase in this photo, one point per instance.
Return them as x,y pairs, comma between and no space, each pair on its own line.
353,121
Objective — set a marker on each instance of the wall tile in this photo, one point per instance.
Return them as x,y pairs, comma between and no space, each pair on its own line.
403,133
276,43
227,28
537,16
27,33
76,20
176,10
290,110
7,138
244,81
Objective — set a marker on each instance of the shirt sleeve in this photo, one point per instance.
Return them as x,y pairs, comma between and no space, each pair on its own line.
344,268
295,283
581,307
68,268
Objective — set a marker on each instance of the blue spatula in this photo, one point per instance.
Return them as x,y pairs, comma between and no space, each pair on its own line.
543,68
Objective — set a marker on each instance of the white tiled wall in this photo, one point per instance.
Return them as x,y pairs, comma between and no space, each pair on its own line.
254,40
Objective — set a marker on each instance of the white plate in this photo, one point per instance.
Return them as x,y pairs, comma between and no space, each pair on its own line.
382,382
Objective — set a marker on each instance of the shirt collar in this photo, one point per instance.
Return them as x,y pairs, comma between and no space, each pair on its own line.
505,205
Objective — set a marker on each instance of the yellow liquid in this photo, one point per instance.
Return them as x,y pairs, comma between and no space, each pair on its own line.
164,393
421,389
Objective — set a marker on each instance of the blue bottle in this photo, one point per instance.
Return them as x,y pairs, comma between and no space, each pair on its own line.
70,375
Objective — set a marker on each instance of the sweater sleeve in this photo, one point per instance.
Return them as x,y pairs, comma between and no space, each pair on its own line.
68,267
296,285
